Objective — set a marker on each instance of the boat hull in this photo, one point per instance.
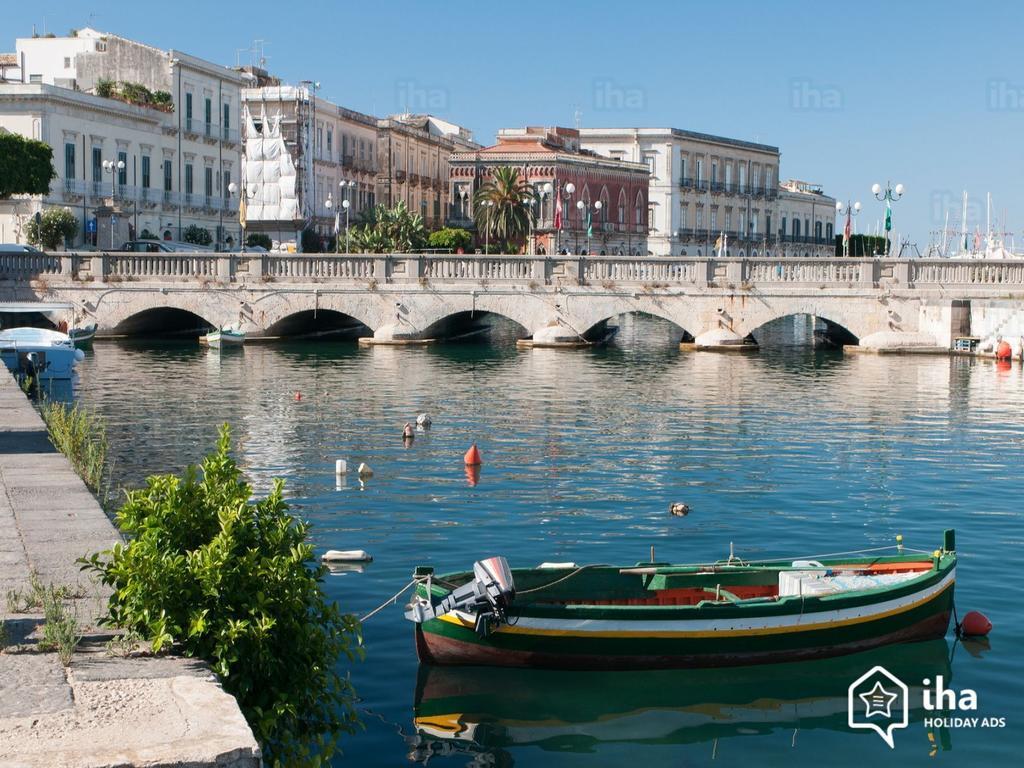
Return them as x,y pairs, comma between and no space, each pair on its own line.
922,614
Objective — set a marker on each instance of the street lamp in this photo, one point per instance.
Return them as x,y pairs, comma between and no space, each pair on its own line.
114,169
581,206
889,196
851,211
346,187
247,195
488,204
569,189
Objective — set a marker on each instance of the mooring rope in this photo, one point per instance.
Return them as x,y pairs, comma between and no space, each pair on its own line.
390,600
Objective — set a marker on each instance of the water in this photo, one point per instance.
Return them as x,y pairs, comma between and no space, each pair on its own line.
787,452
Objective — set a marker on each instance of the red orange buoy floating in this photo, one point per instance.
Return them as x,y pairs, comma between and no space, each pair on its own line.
473,457
1004,351
298,396
975,624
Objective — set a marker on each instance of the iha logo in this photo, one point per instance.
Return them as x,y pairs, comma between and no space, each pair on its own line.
878,701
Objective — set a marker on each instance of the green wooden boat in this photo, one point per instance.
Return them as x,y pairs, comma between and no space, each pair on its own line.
656,615
473,709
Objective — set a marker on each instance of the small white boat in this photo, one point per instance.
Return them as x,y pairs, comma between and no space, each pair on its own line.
47,355
223,337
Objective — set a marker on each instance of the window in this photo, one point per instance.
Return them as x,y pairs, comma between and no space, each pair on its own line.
782,229
728,220
714,219
682,166
145,171
227,119
684,211
796,227
208,181
122,174
330,144
767,178
638,209
728,177
208,113
741,225
188,178
97,164
817,230
69,160
35,78
226,184
767,223
743,178
319,141
755,177
828,232
188,110
167,176
714,172
700,218
700,170
67,62
652,164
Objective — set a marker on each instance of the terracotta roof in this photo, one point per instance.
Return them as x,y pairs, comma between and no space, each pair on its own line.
8,59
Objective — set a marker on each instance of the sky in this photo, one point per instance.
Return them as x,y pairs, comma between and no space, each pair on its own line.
927,94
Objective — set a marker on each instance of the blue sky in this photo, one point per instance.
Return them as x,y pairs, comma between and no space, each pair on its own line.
927,94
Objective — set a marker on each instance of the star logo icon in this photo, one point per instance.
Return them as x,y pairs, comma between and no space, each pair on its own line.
878,701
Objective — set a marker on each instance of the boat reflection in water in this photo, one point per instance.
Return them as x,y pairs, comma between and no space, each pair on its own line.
485,710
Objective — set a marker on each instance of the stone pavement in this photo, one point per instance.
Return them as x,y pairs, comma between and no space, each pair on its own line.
101,710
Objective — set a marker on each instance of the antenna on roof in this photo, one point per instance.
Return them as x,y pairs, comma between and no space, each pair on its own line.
577,117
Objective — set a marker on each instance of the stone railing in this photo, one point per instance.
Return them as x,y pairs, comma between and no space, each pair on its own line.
595,271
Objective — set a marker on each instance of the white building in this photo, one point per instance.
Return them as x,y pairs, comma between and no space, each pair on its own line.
302,151
705,186
806,220
167,120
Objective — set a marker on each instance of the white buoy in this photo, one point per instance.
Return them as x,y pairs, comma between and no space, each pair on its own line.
346,556
340,467
423,420
365,471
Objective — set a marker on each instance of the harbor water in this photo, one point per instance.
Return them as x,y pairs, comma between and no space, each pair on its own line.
790,451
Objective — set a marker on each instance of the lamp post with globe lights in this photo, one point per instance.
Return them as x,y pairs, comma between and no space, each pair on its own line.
850,211
889,196
568,190
114,168
582,207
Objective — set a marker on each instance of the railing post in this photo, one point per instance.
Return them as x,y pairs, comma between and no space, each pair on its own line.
702,273
383,268
414,266
104,267
869,272
902,272
734,272
224,271
538,268
67,266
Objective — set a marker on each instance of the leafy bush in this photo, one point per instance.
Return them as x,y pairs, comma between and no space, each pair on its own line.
233,581
26,166
163,101
136,93
53,227
81,436
259,239
147,235
389,230
311,241
452,238
197,235
105,88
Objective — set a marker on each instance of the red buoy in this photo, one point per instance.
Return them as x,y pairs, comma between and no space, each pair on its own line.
472,457
298,396
1004,351
975,624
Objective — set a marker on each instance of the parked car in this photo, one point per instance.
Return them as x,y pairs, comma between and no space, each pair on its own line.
162,246
17,248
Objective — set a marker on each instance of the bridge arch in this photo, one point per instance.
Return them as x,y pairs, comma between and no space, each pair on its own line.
133,313
844,316
527,310
280,310
600,309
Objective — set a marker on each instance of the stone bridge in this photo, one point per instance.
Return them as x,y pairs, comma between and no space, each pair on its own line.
879,303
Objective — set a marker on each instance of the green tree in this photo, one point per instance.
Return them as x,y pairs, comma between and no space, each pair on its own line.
105,88
232,580
311,241
505,207
260,239
861,245
451,238
389,230
26,166
197,235
53,228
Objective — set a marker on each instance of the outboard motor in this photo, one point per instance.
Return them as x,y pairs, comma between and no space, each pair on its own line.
488,597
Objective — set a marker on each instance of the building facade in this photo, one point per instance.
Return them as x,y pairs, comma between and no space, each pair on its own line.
560,171
145,141
806,220
304,157
413,154
702,186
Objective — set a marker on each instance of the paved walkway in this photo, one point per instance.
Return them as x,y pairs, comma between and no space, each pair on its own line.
101,710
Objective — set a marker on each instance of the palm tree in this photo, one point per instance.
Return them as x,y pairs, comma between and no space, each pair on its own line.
504,208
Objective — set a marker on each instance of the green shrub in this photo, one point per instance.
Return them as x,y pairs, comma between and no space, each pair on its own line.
82,437
259,239
197,235
232,580
451,238
52,228
162,100
311,241
26,166
135,93
105,88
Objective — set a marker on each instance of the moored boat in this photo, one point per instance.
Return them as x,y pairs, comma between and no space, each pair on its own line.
224,337
657,615
82,337
43,354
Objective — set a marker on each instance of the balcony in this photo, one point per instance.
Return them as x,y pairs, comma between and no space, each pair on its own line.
191,126
151,197
211,132
170,199
99,189
229,135
348,161
686,182
717,187
192,200
75,188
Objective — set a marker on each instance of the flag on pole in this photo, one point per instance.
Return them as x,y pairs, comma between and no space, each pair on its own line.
590,225
337,222
888,216
718,245
848,228
558,210
241,209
